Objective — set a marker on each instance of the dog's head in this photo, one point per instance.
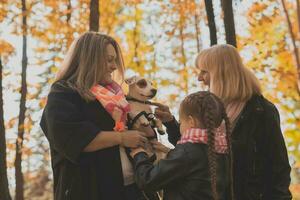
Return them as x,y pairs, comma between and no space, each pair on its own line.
140,88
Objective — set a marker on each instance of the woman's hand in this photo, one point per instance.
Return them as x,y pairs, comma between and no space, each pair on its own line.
159,147
163,113
133,139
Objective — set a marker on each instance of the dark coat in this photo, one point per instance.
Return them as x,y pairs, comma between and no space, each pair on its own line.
183,174
70,124
261,169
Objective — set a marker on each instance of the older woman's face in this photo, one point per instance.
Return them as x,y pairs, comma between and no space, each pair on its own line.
203,75
111,63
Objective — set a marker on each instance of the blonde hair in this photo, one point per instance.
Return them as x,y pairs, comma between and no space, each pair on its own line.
230,80
85,63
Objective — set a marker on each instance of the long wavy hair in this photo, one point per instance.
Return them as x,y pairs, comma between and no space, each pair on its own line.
86,61
209,112
230,80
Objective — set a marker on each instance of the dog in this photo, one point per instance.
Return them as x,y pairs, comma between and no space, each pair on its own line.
141,115
140,92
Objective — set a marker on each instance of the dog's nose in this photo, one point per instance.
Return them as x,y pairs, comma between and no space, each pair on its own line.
154,91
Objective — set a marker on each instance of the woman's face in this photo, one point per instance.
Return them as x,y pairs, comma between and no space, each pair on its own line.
203,75
111,63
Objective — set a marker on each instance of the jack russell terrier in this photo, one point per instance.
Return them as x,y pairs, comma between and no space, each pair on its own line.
141,116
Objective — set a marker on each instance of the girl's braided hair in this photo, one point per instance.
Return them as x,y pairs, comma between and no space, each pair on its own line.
209,112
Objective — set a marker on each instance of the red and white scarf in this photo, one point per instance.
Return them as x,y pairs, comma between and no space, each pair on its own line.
114,101
197,135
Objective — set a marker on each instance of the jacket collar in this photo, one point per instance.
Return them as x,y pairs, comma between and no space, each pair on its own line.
253,105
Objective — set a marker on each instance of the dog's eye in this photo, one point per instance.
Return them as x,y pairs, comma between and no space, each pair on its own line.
142,83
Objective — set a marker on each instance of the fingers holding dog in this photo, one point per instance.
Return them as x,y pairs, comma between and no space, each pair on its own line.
133,139
157,146
163,113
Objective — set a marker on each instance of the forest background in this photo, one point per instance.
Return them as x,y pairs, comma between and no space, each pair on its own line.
159,40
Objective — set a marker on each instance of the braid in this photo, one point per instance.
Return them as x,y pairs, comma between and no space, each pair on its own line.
229,144
210,112
210,125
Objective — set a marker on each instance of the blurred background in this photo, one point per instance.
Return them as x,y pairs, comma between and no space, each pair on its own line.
159,40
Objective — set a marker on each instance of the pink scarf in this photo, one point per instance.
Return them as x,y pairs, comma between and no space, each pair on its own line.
113,100
197,135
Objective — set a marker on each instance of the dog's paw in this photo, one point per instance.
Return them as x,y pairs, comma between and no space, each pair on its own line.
161,132
143,121
145,124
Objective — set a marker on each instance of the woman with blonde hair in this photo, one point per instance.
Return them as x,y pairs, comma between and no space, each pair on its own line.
261,168
84,122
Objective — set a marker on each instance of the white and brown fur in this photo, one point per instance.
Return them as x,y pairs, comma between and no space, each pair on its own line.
142,90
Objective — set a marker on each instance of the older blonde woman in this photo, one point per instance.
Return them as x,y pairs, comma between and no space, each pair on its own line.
260,163
85,112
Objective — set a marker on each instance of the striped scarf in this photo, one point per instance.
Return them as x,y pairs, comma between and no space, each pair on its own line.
197,135
113,100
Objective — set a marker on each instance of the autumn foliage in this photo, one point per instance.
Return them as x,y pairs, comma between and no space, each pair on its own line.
159,40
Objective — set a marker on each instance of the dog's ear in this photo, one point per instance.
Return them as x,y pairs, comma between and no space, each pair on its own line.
131,80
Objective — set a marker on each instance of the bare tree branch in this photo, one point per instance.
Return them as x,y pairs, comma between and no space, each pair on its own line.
293,38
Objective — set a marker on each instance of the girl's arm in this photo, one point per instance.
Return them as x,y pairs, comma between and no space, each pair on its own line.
151,177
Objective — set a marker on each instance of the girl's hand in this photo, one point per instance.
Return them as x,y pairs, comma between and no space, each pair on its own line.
163,113
133,139
135,151
157,146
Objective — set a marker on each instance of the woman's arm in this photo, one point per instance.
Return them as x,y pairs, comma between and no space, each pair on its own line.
173,130
70,133
277,154
106,139
163,113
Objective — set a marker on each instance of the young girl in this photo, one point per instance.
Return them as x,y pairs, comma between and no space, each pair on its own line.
200,165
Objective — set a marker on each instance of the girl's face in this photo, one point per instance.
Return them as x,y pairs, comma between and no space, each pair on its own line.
111,63
203,75
186,122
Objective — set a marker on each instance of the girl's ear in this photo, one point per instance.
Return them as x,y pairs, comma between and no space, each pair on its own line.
192,122
131,80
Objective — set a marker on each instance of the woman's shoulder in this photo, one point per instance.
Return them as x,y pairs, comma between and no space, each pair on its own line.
61,86
269,106
62,91
262,104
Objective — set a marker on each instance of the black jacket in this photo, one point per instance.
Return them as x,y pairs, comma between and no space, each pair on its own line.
70,124
261,169
183,174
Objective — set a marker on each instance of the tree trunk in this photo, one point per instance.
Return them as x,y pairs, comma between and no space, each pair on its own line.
298,14
296,50
183,56
69,11
229,22
211,22
136,39
196,18
19,141
94,15
4,191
